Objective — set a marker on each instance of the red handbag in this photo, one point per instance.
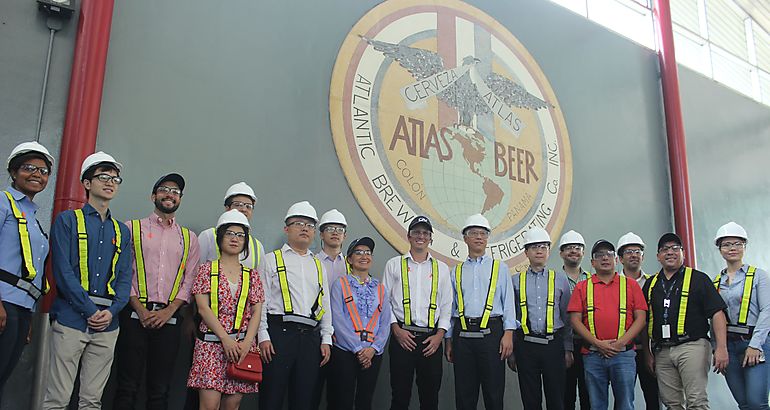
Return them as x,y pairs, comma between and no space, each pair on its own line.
248,370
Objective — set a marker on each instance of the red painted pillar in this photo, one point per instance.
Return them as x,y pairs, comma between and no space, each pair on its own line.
81,121
677,150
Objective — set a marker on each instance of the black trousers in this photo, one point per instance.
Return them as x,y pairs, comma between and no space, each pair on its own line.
576,379
294,368
648,382
138,349
12,340
477,364
323,375
404,365
541,367
350,386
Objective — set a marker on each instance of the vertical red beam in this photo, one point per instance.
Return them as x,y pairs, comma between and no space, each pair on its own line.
81,120
677,149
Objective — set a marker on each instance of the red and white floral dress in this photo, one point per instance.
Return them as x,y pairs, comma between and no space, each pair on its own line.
209,362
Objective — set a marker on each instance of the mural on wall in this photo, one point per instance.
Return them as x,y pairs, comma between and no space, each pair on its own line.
438,110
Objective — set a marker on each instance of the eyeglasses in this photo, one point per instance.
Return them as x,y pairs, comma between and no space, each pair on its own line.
334,229
477,233
675,248
573,247
630,252
605,254
30,169
731,245
107,178
168,190
539,247
237,235
241,205
302,225
420,233
362,252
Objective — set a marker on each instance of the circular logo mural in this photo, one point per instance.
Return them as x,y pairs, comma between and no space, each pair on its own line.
438,110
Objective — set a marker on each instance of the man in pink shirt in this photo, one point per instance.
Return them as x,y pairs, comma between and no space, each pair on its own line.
165,260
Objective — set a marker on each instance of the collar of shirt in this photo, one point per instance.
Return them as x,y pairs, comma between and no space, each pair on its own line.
323,256
478,260
740,275
157,220
356,283
595,278
541,272
20,197
286,248
676,275
409,256
90,210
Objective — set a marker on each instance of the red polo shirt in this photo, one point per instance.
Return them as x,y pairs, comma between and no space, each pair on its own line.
606,305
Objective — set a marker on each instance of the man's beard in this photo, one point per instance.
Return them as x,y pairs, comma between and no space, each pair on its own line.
159,206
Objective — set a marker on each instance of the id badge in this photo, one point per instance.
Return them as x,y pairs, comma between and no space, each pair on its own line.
665,331
666,303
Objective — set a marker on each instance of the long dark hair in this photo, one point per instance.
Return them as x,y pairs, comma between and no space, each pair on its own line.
221,237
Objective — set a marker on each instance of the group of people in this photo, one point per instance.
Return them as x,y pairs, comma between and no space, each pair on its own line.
322,321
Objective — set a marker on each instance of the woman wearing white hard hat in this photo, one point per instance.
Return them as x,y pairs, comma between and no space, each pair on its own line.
23,251
229,298
746,291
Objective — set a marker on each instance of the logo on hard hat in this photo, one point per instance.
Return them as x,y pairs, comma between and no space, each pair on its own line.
438,110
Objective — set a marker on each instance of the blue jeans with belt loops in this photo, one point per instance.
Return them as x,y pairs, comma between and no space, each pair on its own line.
750,386
618,371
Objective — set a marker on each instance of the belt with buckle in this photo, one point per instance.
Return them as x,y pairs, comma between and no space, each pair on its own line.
154,307
417,329
473,327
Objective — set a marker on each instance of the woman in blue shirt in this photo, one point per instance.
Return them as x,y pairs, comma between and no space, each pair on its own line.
361,321
23,251
748,375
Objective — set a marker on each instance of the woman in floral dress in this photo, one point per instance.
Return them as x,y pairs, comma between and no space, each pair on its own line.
220,340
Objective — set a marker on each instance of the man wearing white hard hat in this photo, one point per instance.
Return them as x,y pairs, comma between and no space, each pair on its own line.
92,268
571,250
631,256
23,252
420,295
483,321
295,334
165,263
544,338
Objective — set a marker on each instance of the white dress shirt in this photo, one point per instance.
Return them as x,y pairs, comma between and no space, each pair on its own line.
302,277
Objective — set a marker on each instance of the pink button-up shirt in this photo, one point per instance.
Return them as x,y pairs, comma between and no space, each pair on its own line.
162,248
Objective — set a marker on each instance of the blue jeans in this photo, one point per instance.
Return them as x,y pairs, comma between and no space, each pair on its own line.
618,371
750,386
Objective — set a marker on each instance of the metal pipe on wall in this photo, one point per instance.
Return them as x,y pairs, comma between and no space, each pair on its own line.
677,149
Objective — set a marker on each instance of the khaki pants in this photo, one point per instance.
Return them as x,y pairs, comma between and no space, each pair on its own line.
683,374
94,353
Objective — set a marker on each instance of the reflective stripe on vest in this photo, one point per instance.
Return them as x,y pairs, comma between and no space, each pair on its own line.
682,302
254,249
407,301
141,273
549,310
317,311
748,288
622,307
358,325
28,270
83,252
243,294
490,295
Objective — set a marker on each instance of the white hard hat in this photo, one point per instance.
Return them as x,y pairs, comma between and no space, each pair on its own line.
240,188
98,158
26,147
477,220
233,216
536,235
332,216
302,209
630,239
571,237
731,229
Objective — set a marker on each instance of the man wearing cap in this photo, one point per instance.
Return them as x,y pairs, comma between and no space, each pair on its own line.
545,335
608,311
420,295
571,250
483,321
681,301
92,268
631,256
165,264
295,333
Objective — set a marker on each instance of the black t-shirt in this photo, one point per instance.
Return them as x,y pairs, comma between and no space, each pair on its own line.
702,304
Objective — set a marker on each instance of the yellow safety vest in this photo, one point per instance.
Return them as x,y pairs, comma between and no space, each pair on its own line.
682,302
83,252
490,295
549,309
622,308
317,311
243,297
28,271
141,274
407,301
748,288
254,249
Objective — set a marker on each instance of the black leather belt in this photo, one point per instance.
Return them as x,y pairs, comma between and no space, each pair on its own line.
473,327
